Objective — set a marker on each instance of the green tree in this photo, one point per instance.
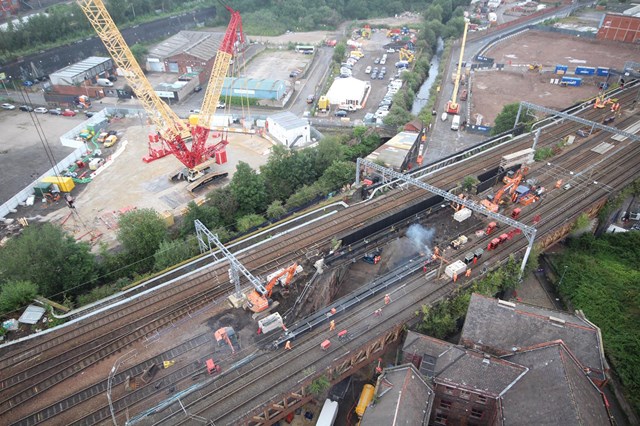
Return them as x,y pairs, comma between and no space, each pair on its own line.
16,294
275,210
139,52
208,215
140,233
97,293
506,120
329,150
319,385
469,182
225,202
248,189
397,116
339,52
302,196
337,175
170,253
48,257
248,221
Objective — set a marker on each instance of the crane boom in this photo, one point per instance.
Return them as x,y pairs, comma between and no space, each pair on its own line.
452,105
167,123
216,81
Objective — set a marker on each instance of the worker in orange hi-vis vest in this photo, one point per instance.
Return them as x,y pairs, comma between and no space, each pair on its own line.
455,277
332,325
287,345
387,299
468,273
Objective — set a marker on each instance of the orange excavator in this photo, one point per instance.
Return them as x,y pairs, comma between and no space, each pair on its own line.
258,301
510,188
224,335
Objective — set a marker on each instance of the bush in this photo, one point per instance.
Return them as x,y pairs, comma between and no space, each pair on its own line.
275,210
16,294
96,294
249,221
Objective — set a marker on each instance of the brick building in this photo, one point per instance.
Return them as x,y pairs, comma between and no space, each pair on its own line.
620,27
501,328
185,53
402,397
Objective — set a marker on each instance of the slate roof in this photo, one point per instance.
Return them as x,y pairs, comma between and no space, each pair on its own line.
502,328
402,397
454,365
201,44
555,390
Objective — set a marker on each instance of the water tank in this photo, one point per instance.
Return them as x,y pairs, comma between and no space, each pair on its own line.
365,399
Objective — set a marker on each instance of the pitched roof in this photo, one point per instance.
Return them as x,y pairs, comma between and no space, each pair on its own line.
453,365
201,44
472,371
554,391
502,328
402,397
288,120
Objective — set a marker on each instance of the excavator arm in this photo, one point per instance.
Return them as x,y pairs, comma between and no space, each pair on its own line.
167,123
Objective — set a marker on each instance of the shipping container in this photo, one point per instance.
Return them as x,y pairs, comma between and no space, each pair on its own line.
462,214
603,72
585,71
328,414
270,323
561,69
365,398
571,81
65,184
458,267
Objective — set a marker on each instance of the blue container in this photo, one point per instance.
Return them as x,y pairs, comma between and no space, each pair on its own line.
561,69
602,71
571,81
585,71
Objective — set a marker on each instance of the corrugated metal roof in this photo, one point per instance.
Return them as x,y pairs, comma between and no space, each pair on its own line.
32,314
253,84
81,67
288,120
201,44
395,151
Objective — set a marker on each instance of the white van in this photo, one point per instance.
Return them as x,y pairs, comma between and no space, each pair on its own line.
104,82
455,123
444,116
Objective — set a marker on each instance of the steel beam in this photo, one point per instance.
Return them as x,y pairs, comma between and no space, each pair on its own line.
580,120
528,231
202,232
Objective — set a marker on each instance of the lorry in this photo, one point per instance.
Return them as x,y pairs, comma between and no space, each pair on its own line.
455,123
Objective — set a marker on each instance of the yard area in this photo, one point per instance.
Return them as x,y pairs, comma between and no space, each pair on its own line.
492,89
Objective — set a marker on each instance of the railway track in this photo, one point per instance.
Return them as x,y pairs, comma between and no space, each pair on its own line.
225,408
27,377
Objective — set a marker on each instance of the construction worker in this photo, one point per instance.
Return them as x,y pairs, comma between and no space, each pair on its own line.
377,312
468,273
436,251
558,183
332,325
475,259
455,277
287,345
387,299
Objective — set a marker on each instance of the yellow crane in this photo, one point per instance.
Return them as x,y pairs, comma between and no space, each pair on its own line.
173,133
452,106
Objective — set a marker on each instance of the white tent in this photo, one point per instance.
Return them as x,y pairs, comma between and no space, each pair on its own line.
347,91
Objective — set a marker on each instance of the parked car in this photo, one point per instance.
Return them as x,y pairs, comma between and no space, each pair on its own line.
391,50
27,83
55,112
368,70
68,113
89,114
25,108
381,76
381,114
194,111
221,104
374,75
347,107
340,113
41,110
310,99
8,106
197,89
376,61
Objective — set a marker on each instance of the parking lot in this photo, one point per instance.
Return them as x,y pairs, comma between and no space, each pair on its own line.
373,49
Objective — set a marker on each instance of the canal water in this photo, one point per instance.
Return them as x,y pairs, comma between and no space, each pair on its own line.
423,94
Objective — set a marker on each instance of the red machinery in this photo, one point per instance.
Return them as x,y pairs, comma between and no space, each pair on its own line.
225,335
257,301
171,134
490,227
